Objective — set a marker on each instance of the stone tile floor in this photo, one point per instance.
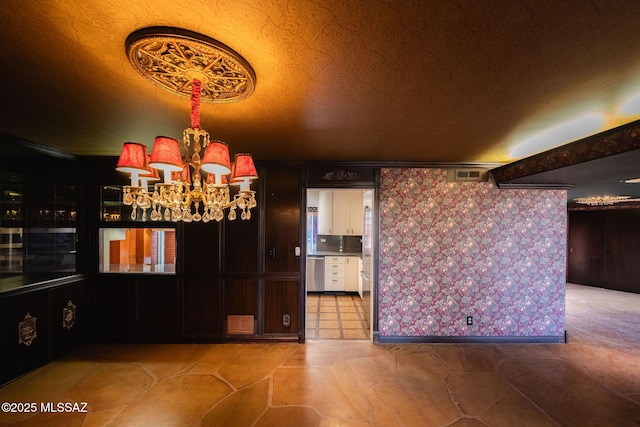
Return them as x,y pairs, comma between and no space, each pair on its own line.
594,380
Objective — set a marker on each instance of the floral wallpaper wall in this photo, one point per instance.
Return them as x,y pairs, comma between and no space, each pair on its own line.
451,250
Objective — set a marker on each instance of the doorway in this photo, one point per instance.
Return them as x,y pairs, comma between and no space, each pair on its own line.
339,268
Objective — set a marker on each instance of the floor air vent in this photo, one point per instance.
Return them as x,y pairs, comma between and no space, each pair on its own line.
467,175
240,324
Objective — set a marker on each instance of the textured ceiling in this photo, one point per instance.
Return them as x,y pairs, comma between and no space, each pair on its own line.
430,80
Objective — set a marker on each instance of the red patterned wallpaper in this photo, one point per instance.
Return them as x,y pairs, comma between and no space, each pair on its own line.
452,250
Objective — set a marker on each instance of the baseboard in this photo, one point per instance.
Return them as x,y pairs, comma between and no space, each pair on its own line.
547,339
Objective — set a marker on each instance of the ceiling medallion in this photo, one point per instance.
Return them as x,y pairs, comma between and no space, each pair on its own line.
172,58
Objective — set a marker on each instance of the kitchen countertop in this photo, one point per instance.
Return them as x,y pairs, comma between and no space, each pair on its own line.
330,253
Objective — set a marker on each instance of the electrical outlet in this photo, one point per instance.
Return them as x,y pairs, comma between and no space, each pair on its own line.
469,320
286,320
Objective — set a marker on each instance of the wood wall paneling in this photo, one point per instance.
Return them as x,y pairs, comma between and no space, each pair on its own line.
113,307
281,297
158,307
604,247
586,243
282,219
221,270
622,249
241,296
201,315
241,244
200,247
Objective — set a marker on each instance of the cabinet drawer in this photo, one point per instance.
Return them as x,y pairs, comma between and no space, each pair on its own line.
334,267
328,274
334,260
334,284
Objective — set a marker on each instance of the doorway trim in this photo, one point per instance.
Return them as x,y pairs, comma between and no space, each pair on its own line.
343,176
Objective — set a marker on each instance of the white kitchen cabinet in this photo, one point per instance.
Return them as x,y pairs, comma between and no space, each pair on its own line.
341,273
340,212
352,273
325,212
335,273
356,210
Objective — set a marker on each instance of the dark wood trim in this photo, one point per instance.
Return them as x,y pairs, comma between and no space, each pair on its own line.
615,141
549,339
375,327
376,164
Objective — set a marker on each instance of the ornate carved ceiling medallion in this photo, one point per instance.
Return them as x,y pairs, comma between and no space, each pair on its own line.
172,58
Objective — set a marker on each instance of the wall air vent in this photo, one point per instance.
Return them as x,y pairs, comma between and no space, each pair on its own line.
467,175
240,324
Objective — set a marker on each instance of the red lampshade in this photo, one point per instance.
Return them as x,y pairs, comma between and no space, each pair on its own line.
216,158
133,158
166,154
244,169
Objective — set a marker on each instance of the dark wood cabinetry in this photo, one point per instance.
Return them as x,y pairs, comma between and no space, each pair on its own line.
40,324
70,312
16,357
43,300
603,248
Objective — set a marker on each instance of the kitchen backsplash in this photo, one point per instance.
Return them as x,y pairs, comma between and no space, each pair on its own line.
328,243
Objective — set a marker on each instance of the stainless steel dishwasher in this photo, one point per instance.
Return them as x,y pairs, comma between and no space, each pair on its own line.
315,274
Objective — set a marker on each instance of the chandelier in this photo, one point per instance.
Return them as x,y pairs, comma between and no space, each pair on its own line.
196,175
601,200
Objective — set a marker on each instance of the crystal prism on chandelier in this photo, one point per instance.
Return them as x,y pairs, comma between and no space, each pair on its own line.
193,182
